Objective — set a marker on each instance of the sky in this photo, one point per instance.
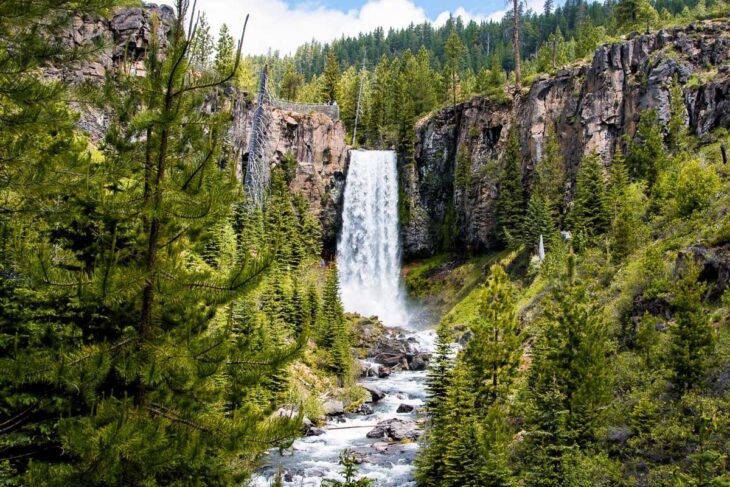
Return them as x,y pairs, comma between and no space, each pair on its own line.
284,25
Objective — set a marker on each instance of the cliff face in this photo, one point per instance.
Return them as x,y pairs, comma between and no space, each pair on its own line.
315,141
591,106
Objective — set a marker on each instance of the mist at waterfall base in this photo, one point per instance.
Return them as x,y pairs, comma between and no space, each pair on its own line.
368,250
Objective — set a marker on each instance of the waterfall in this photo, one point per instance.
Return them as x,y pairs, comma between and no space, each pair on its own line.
368,251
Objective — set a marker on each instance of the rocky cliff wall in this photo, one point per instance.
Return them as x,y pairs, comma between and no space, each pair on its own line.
591,106
315,142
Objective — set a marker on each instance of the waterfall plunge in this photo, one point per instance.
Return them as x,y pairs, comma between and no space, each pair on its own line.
368,251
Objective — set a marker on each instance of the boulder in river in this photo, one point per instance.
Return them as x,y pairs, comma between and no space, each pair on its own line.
405,408
333,407
380,446
375,393
365,409
419,361
315,432
395,429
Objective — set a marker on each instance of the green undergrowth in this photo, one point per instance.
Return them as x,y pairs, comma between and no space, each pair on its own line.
442,282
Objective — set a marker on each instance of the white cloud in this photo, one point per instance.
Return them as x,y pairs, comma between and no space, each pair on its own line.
275,25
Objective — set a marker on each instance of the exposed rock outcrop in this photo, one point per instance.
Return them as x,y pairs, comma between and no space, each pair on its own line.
315,142
714,263
396,430
592,106
122,41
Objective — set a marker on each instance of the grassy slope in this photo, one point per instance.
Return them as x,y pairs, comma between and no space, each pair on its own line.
640,371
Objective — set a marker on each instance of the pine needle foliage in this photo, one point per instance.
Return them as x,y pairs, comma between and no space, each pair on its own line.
511,200
131,382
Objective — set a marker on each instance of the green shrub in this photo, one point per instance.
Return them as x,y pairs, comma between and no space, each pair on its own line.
696,187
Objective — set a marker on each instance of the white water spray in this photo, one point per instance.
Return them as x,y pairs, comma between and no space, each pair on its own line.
368,251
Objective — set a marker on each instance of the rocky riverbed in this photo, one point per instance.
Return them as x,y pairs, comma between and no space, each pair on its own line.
382,432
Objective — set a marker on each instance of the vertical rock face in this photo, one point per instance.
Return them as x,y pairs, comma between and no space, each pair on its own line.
315,142
123,40
591,106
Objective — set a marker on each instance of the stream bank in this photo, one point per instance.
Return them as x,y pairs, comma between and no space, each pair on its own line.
382,433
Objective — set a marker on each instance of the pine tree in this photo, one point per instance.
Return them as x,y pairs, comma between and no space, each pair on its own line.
439,372
632,14
538,221
313,306
550,175
511,200
570,367
463,462
333,330
424,91
138,378
618,181
628,228
455,50
331,77
496,72
646,154
224,51
677,130
291,82
590,214
493,353
516,42
692,338
588,38
406,117
299,312
201,50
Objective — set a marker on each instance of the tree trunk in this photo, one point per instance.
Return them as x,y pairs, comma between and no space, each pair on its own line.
517,44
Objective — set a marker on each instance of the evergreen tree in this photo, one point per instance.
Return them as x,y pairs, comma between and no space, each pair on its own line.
455,51
496,73
511,200
550,175
291,82
224,51
422,81
632,14
406,116
590,214
646,154
677,130
299,314
132,388
331,77
201,50
333,329
313,306
567,386
463,462
692,336
538,221
493,353
516,42
439,372
587,39
618,181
